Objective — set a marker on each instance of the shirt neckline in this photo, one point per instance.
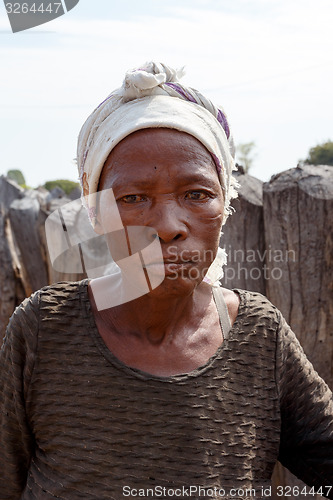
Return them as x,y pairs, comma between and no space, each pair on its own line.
136,372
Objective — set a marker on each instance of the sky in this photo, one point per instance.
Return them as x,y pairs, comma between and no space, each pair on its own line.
268,63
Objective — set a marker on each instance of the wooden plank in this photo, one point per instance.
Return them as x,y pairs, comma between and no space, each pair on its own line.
23,216
243,238
9,286
298,207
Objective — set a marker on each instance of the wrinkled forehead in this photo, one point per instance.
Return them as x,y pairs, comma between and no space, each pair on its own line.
154,150
156,111
157,142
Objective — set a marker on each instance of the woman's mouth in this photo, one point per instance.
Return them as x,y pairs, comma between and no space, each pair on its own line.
170,267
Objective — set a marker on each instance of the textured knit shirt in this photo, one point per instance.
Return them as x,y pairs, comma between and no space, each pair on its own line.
77,423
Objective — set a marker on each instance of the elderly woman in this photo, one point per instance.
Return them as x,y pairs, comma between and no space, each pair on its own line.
187,390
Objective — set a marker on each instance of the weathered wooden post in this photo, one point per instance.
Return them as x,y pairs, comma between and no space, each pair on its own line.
298,207
24,259
23,215
243,238
47,208
9,289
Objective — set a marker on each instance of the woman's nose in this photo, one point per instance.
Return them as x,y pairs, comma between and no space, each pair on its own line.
169,222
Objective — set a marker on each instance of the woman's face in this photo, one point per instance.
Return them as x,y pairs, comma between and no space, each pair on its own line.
167,180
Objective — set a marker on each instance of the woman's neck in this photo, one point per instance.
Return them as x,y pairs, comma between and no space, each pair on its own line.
154,318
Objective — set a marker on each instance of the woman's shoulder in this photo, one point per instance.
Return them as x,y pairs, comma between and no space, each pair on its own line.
62,292
50,300
46,310
252,299
251,306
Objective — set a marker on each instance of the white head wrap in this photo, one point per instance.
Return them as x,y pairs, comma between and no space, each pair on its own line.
151,96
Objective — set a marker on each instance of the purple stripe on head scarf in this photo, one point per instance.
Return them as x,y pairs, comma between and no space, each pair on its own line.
221,118
181,91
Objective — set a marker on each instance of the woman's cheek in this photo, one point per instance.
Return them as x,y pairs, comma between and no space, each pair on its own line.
132,215
213,216
212,211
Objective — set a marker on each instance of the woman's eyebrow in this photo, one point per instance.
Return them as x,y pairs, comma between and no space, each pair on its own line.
149,182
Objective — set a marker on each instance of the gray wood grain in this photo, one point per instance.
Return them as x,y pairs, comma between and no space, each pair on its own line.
298,207
243,238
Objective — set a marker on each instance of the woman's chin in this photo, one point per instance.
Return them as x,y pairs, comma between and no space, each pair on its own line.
173,285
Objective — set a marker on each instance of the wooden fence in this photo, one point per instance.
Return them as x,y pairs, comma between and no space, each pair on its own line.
279,242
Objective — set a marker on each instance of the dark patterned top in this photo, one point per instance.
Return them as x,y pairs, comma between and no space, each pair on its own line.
76,423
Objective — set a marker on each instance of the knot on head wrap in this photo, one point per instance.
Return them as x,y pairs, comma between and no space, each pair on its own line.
141,82
151,96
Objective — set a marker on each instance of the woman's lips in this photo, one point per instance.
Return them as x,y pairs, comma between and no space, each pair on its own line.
168,262
170,267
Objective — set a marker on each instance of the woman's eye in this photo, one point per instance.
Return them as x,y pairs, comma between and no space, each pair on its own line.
133,198
196,195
